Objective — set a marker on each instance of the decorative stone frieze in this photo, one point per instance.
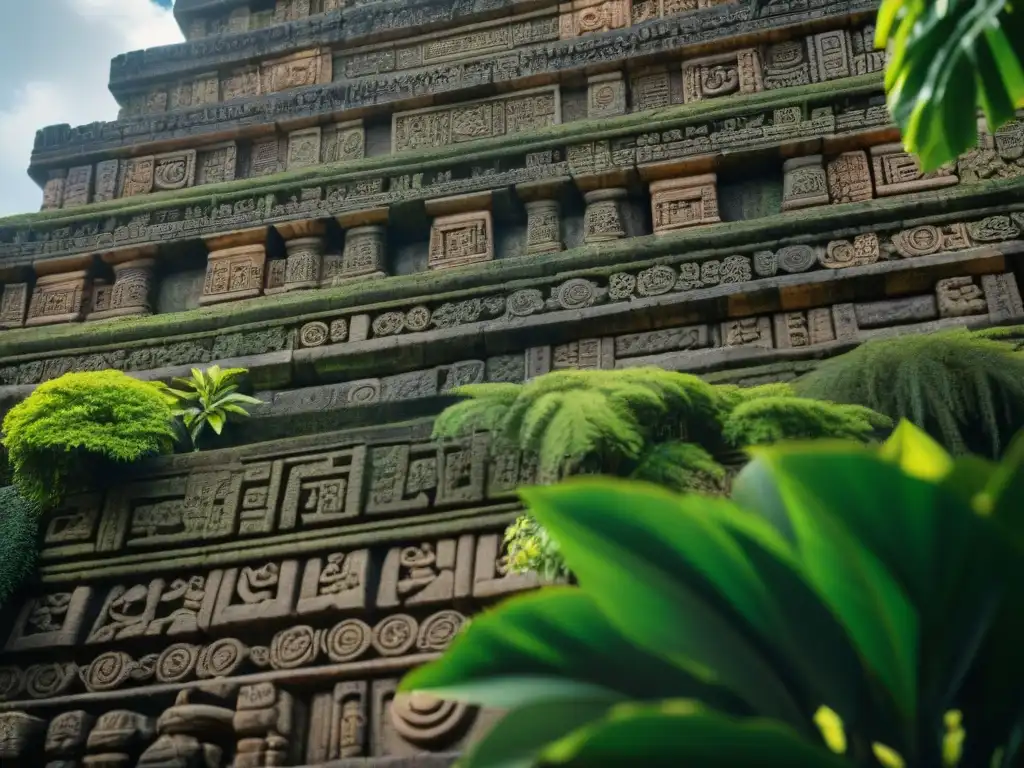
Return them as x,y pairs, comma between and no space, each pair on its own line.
804,183
897,172
681,203
62,297
234,268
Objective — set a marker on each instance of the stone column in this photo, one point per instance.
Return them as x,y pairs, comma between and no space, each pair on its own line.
604,219
364,256
543,216
13,305
62,291
133,284
234,266
304,242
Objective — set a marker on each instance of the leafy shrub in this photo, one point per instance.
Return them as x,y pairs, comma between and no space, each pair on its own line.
72,428
647,424
19,526
964,390
208,399
849,606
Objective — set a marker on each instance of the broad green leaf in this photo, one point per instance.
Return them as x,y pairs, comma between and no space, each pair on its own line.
685,733
555,644
917,454
216,421
671,580
869,601
524,733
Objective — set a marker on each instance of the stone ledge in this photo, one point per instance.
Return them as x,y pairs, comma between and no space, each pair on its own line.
513,273
693,33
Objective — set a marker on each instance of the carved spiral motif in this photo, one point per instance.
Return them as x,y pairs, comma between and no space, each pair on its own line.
389,324
439,630
591,19
45,680
293,647
919,241
364,392
424,720
176,662
656,281
993,229
576,294
796,258
221,658
12,680
621,286
313,334
469,311
525,302
347,640
339,330
107,671
394,635
417,319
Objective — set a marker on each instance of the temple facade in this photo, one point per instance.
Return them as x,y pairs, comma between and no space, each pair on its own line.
368,204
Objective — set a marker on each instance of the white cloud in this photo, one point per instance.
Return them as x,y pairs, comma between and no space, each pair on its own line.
68,75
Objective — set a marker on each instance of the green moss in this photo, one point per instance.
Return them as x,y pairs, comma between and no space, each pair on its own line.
78,427
965,390
19,540
578,131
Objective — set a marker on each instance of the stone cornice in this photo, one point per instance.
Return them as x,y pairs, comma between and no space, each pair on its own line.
351,26
691,33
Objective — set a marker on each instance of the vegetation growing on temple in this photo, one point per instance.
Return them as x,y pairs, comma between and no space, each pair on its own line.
19,526
809,621
76,427
208,399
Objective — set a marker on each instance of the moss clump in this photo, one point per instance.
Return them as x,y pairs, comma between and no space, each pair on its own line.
73,428
965,390
19,526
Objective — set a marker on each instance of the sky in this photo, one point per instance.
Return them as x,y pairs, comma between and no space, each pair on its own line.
54,66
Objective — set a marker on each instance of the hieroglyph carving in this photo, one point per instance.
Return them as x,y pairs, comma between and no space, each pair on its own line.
295,71
460,239
681,203
582,17
721,75
897,172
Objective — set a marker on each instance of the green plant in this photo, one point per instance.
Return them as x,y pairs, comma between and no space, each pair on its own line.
209,398
947,59
664,427
70,429
964,390
19,528
849,605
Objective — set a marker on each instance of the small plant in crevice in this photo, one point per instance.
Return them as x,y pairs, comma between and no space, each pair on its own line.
79,426
208,399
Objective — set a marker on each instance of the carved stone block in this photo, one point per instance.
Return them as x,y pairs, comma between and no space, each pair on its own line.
897,172
880,314
265,156
263,722
606,95
337,582
747,332
53,190
255,594
583,17
721,75
51,621
831,54
786,64
861,251
21,739
66,737
543,226
849,178
471,120
603,219
339,724
78,188
217,163
650,89
406,724
240,83
460,239
960,297
342,142
804,183
303,148
926,239
174,170
138,176
234,273
117,736
432,572
363,257
130,294
106,180
844,320
302,267
181,607
866,58
682,203
60,298
1002,296
296,71
13,305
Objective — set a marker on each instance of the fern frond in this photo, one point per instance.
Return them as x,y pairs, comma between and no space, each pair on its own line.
466,417
537,420
582,425
947,383
680,467
772,419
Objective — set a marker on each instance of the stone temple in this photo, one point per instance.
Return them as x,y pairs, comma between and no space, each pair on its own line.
368,204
